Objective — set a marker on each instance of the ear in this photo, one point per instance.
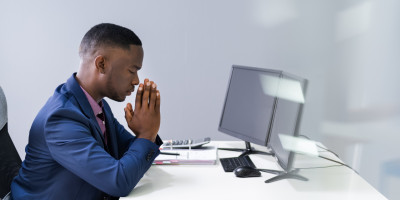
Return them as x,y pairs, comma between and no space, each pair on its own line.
99,62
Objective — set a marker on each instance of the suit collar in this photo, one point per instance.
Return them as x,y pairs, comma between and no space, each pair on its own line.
74,87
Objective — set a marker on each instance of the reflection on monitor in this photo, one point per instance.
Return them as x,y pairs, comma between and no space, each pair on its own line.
288,110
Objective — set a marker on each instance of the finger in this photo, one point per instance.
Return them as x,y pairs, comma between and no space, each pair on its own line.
146,93
158,101
130,109
153,96
128,114
138,100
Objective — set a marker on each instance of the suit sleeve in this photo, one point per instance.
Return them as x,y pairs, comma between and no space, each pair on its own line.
71,144
125,138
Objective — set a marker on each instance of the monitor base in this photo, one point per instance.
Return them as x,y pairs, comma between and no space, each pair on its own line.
248,150
284,175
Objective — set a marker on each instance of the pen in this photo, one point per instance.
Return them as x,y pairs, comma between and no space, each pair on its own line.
168,153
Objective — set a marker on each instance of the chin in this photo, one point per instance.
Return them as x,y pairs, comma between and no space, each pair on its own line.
119,99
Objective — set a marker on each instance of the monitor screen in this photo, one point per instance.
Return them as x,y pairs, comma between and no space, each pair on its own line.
249,104
288,110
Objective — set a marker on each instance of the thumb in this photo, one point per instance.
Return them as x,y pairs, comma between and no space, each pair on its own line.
128,114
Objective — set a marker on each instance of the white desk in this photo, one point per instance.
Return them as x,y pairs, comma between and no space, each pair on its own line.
211,182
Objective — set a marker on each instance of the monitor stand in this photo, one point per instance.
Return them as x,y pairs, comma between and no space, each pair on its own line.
283,175
247,151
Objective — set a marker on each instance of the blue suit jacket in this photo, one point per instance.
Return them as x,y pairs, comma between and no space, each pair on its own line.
65,156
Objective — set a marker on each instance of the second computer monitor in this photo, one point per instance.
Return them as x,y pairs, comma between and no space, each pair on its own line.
288,112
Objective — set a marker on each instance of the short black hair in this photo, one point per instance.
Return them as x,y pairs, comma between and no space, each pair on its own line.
107,34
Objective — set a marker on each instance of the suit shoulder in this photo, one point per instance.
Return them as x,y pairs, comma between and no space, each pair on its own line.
61,101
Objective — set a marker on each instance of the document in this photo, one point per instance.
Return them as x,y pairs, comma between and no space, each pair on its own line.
206,155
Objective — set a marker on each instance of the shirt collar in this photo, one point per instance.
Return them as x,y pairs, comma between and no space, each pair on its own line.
96,107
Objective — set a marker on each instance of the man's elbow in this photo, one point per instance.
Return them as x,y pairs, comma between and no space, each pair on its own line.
121,191
123,185
125,192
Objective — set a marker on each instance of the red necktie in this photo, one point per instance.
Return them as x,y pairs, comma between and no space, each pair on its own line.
102,117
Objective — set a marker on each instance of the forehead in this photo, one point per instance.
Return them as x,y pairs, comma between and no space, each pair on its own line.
132,56
136,49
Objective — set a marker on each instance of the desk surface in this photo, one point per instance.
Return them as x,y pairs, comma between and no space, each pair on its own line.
204,181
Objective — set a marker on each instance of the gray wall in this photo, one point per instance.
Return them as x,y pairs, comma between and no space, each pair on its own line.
349,51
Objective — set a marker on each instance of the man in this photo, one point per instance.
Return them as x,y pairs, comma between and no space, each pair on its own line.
76,148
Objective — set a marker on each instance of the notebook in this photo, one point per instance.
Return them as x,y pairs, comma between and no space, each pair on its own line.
202,156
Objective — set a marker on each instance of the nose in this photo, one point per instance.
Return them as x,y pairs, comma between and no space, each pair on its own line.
135,80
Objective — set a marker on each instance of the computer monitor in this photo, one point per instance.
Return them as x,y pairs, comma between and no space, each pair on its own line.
249,107
260,105
287,117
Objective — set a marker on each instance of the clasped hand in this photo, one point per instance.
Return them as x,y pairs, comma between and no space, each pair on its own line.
144,121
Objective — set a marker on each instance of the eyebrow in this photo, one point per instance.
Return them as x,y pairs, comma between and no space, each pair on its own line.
136,67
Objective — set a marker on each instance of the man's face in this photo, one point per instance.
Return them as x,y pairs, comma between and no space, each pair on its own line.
123,74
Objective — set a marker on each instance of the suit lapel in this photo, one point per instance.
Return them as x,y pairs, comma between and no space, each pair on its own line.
112,142
84,104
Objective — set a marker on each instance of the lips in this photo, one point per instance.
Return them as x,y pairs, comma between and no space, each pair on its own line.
130,91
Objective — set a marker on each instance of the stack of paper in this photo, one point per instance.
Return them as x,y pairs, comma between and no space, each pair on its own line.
202,156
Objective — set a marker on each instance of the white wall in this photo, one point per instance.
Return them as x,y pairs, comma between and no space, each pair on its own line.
349,51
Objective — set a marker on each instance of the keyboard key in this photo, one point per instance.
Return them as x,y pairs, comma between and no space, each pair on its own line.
230,164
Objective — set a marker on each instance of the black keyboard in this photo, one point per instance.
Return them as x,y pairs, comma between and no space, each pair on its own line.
230,164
